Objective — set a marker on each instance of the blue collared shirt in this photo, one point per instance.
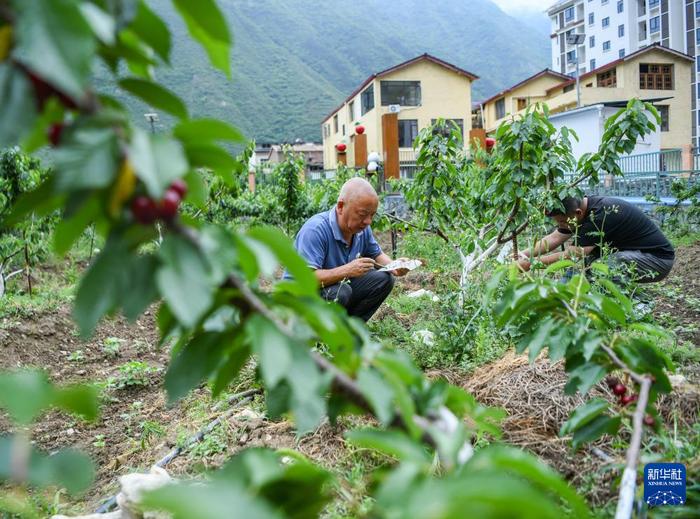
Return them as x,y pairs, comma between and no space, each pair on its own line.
322,245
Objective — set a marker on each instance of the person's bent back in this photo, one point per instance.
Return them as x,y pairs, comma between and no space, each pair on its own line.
634,240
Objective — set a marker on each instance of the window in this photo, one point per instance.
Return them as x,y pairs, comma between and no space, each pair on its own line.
592,64
501,108
603,2
621,53
408,131
606,21
335,123
343,129
367,100
620,6
606,46
697,9
697,36
607,79
654,24
351,109
569,14
653,3
404,93
663,112
326,130
591,41
568,88
591,18
655,76
521,103
571,56
620,31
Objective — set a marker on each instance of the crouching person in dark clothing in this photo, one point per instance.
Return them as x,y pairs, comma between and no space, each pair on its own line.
339,245
635,242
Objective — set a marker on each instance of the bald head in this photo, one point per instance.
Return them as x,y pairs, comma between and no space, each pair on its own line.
356,188
357,205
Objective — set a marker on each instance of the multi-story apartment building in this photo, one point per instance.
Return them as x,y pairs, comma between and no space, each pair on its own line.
615,28
692,38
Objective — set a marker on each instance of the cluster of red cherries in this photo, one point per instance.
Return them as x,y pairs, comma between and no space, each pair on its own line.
625,399
146,210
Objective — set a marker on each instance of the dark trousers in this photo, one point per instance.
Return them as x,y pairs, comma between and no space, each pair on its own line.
645,267
361,296
627,265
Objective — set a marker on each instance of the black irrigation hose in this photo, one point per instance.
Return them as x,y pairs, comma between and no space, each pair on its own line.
236,401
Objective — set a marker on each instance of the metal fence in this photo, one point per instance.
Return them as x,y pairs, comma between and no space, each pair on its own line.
648,174
643,174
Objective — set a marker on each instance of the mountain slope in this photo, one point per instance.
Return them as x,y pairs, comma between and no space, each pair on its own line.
293,61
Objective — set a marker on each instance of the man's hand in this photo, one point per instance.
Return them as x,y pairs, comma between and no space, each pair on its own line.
400,272
359,267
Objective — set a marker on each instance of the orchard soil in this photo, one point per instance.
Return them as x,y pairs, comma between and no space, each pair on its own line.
531,394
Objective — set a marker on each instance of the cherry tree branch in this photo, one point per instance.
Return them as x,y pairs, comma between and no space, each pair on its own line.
629,476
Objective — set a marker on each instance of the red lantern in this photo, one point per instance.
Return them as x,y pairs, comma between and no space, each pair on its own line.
359,130
340,147
490,143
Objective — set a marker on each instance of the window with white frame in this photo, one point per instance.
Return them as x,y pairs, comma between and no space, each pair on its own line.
501,108
620,31
654,24
606,46
404,93
591,41
569,14
606,21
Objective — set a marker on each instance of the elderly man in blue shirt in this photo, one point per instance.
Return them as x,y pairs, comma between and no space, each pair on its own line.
340,247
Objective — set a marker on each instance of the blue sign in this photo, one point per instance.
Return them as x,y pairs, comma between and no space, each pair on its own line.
664,484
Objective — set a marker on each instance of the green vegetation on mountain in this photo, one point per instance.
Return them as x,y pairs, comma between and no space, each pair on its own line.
296,60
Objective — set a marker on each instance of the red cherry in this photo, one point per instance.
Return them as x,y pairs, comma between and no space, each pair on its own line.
490,142
628,399
619,389
649,420
54,133
167,209
144,210
179,186
359,129
341,147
